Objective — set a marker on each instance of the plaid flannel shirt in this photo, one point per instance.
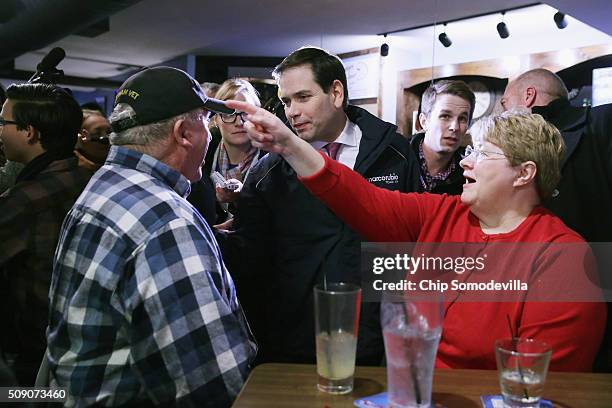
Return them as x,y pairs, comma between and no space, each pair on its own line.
429,182
143,309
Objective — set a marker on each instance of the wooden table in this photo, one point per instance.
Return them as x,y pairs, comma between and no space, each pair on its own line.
294,385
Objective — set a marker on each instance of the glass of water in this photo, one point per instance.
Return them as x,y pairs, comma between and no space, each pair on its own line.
412,328
522,365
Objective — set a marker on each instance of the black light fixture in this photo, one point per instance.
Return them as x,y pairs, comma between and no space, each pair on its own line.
384,49
560,20
502,28
444,38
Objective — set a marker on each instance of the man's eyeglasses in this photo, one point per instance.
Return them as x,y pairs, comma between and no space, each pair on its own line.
4,122
231,117
480,155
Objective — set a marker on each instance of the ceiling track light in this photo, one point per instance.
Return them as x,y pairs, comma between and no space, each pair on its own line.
560,20
384,48
502,28
444,38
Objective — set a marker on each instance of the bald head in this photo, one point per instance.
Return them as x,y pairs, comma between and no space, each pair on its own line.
537,87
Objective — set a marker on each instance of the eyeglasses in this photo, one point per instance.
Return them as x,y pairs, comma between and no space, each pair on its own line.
4,122
98,136
480,154
231,117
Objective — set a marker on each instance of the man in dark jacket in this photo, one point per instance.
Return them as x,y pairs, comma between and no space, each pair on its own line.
446,112
583,197
38,129
285,240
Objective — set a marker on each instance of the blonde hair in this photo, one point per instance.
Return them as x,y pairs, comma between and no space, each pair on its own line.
523,137
234,86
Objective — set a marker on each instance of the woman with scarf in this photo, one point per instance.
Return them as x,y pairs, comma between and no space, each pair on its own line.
230,152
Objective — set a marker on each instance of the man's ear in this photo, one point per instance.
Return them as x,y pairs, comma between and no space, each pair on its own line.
33,135
526,173
336,91
423,121
182,134
530,96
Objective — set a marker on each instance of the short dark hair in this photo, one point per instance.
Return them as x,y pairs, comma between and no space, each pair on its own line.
326,68
49,109
93,106
447,87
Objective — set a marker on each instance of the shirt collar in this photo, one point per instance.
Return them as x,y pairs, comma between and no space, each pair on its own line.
144,163
428,181
347,137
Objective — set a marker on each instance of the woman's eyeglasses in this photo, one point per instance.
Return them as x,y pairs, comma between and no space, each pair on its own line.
479,155
231,117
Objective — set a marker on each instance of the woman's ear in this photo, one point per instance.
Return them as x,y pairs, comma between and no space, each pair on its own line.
526,173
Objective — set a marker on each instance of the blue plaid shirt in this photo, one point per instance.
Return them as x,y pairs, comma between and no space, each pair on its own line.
142,308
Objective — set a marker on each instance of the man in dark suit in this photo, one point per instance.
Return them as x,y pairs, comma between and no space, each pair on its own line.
285,240
583,197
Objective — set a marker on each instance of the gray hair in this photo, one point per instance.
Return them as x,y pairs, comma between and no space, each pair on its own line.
145,135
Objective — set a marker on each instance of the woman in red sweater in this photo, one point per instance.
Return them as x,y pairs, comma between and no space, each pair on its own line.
514,168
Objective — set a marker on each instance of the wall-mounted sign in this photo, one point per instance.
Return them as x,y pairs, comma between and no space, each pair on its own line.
363,76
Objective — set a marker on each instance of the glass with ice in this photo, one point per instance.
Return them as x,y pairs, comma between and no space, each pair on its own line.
522,365
411,329
337,308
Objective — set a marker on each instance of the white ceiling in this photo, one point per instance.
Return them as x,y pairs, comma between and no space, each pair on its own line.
154,31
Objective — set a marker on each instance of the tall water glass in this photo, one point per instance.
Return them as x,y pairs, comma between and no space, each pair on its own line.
411,328
337,308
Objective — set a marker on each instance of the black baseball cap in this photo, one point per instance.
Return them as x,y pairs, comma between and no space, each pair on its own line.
160,93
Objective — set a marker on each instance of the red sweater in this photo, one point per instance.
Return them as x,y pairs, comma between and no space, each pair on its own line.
573,329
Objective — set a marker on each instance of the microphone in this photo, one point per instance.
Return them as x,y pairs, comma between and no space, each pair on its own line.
46,70
50,61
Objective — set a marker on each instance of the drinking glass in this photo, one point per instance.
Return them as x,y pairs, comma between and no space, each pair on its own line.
522,365
337,308
411,328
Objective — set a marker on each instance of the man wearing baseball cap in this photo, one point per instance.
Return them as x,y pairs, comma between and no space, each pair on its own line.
143,310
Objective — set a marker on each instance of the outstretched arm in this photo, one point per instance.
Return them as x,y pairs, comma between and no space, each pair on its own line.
269,133
375,213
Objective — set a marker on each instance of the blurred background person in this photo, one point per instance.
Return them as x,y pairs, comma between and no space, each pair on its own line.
92,144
